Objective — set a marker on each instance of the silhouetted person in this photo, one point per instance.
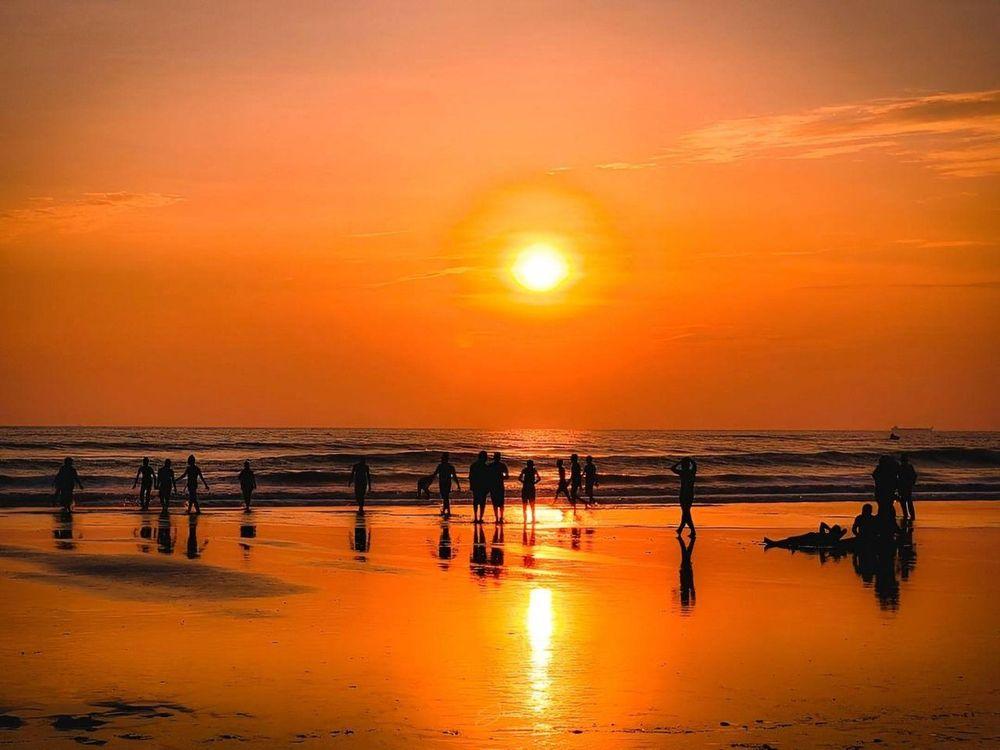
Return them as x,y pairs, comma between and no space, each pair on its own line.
446,475
825,536
361,478
479,485
193,473
686,573
865,527
65,482
906,479
563,485
166,485
886,476
498,489
687,470
248,483
589,479
575,479
529,477
147,476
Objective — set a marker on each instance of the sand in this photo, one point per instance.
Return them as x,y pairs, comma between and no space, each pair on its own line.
306,627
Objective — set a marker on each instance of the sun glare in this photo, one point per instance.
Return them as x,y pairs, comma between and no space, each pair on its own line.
540,267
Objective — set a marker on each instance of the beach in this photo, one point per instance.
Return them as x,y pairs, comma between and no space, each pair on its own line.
319,627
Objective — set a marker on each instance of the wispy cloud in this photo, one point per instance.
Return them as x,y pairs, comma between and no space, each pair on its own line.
82,214
931,285
957,135
375,235
624,166
452,271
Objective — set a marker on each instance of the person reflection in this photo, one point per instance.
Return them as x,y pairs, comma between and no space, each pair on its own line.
497,552
166,536
478,558
686,574
62,530
445,551
361,539
145,531
247,531
193,550
528,543
907,553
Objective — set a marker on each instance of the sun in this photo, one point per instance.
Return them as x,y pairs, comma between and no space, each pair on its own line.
540,267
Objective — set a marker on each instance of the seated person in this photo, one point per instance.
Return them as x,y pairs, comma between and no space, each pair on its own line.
827,536
865,525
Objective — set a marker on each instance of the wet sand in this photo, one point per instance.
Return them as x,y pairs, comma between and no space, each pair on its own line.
306,626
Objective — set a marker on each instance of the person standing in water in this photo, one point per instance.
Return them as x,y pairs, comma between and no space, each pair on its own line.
886,477
575,479
446,474
65,482
479,485
361,478
148,476
687,470
529,477
166,484
498,490
248,483
589,479
193,473
563,486
907,478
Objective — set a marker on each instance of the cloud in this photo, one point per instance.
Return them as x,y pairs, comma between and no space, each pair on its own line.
452,271
619,166
935,285
86,213
956,134
375,235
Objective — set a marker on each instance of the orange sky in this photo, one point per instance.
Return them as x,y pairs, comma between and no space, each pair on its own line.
779,215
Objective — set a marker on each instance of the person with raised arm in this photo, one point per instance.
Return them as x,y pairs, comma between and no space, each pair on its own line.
446,475
528,477
148,476
687,470
193,473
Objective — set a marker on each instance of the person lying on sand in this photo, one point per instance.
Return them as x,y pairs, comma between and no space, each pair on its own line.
827,536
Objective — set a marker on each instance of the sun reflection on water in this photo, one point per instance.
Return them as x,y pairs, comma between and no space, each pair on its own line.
540,625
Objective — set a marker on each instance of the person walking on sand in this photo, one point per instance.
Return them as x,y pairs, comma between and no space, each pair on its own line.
575,479
498,490
65,482
479,485
906,479
193,473
361,478
563,486
248,483
687,470
528,477
148,476
589,480
166,484
446,474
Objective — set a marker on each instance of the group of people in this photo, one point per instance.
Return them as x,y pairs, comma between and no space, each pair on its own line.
488,481
894,482
147,479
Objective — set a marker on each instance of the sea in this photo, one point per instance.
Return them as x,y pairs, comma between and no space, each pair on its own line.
311,466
